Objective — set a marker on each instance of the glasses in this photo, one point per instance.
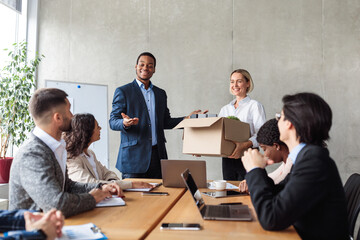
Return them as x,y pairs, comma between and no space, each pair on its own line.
277,116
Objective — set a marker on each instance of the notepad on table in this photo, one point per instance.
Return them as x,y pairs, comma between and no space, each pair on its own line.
228,186
87,231
143,189
111,202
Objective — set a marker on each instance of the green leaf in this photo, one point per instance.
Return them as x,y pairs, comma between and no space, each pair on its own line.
17,81
233,117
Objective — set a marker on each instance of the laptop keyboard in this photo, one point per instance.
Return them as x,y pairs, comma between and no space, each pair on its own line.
217,211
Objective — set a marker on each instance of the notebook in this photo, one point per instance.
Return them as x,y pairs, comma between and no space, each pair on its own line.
215,212
86,231
111,202
143,189
172,169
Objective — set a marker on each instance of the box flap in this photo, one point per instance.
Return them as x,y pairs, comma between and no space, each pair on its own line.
236,130
197,122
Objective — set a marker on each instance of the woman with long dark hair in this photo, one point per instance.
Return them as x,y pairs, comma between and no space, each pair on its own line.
82,164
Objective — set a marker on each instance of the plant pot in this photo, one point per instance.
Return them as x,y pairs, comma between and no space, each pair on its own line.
5,164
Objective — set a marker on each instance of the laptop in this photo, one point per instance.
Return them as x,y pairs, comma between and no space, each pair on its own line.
172,169
215,212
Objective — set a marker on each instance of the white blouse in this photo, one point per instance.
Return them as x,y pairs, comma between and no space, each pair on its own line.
249,111
281,172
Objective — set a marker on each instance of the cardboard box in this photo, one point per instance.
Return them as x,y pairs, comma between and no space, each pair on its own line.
212,136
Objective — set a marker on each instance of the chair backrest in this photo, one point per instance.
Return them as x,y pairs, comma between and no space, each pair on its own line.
352,193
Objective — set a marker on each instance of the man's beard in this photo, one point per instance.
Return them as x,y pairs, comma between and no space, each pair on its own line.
144,79
66,126
140,78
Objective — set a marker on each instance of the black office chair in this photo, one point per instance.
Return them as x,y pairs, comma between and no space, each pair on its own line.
352,193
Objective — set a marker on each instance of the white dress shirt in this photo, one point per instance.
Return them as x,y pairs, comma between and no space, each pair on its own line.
58,147
249,111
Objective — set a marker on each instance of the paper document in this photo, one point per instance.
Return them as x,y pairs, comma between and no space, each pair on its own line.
143,189
86,231
111,202
228,186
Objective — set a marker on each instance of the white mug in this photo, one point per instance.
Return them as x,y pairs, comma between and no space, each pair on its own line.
219,184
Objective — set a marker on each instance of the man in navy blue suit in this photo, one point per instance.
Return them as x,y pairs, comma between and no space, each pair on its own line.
140,112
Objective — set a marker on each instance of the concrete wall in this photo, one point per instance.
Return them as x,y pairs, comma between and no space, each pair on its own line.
288,46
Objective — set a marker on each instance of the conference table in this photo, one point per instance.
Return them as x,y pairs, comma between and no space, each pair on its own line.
142,216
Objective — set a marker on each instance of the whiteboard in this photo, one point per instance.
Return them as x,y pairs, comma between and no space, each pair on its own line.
89,98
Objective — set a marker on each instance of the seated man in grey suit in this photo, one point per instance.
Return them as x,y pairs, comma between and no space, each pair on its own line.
38,176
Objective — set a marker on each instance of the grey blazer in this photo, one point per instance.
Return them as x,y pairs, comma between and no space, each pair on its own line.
36,182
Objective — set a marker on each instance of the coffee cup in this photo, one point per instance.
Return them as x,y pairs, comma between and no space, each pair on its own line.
220,193
219,184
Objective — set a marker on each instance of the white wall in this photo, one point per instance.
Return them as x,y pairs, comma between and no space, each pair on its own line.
288,46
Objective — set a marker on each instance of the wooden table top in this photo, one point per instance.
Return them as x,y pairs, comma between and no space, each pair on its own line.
142,216
185,211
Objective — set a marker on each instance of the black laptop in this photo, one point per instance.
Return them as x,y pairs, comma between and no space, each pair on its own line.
215,212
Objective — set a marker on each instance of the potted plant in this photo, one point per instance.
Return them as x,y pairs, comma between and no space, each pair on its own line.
17,81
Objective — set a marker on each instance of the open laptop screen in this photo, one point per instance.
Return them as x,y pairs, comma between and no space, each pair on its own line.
191,185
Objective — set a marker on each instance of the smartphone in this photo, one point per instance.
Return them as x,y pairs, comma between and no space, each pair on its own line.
219,194
155,193
180,226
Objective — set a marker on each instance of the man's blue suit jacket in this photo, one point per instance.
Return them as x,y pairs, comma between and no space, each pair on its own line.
136,143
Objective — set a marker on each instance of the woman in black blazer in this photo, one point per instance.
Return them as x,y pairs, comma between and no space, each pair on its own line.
311,197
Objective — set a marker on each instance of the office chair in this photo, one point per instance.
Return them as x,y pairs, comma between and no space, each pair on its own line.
352,193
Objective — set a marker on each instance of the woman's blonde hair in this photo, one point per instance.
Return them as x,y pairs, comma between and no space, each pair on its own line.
247,77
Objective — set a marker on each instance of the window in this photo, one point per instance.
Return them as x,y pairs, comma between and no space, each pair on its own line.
13,26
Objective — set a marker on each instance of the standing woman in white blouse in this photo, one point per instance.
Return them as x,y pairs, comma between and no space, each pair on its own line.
82,164
247,110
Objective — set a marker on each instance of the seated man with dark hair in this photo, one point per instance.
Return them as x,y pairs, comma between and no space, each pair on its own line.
37,225
38,175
